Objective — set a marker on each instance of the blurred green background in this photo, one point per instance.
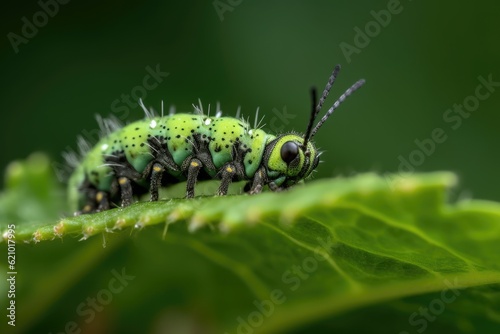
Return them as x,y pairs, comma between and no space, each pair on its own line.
263,54
255,54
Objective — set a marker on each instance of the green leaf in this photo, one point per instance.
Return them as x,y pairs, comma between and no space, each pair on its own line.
316,259
31,195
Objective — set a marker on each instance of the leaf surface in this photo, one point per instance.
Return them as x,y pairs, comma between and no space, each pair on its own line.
313,259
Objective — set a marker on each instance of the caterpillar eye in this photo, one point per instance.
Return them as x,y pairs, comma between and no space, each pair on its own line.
289,151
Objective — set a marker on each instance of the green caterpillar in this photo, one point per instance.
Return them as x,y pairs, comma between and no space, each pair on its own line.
161,150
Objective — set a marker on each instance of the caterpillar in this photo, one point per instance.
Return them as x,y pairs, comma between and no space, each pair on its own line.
160,150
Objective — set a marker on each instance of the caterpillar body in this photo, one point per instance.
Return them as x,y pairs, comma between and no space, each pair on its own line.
161,150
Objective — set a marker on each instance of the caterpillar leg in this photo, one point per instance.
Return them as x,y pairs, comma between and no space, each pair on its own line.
259,180
102,199
163,161
194,163
276,188
124,172
227,174
202,152
90,205
122,168
156,175
125,190
193,170
232,170
96,201
161,154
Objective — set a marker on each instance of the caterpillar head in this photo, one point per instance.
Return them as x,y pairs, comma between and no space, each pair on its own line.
290,158
287,161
